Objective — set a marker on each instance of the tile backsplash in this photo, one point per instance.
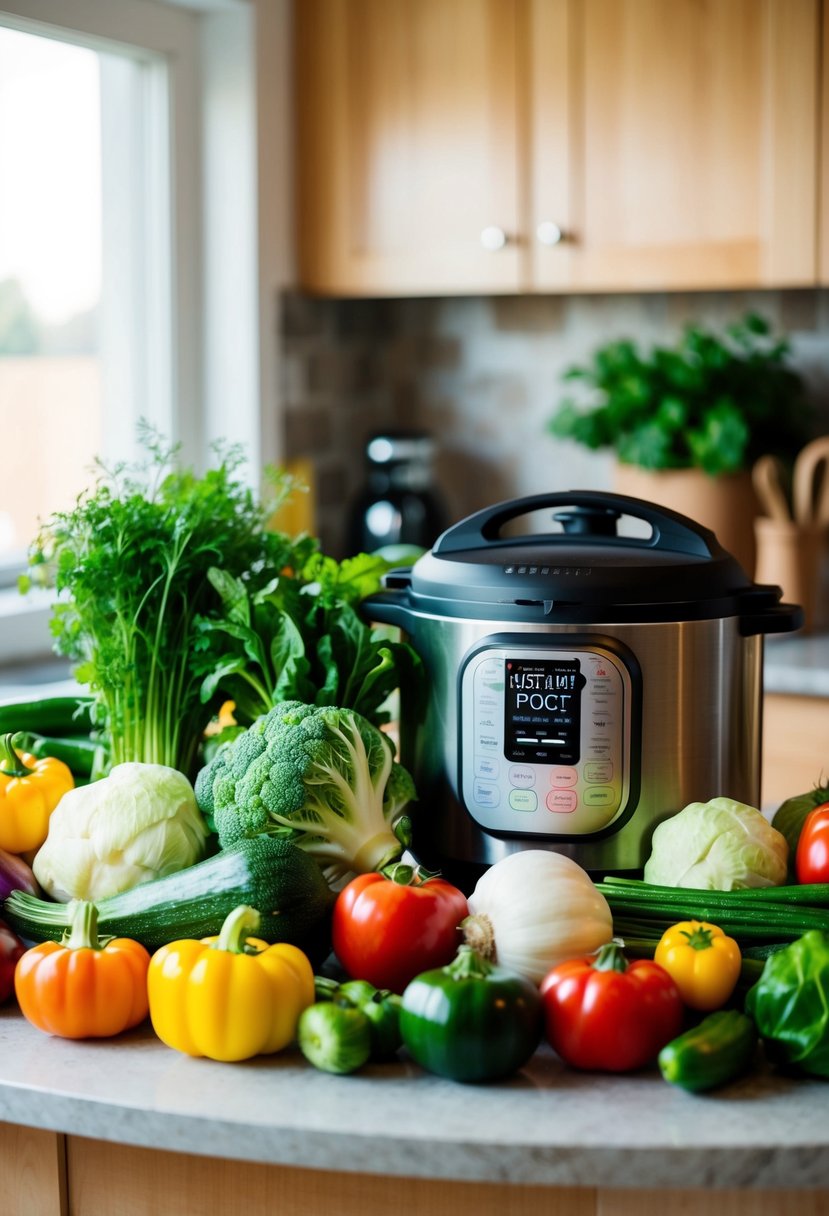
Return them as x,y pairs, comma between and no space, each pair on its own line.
483,375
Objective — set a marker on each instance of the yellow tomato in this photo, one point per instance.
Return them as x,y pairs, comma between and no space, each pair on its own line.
703,963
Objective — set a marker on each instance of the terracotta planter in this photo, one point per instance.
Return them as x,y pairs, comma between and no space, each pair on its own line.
726,504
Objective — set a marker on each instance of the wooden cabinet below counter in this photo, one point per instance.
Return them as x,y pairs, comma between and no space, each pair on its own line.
477,146
795,746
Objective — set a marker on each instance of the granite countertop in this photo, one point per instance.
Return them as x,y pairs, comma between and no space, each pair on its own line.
549,1125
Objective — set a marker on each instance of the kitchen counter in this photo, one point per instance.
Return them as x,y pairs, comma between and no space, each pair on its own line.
548,1126
797,665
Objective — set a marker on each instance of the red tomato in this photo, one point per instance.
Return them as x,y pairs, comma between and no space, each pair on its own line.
387,932
811,861
11,949
605,1014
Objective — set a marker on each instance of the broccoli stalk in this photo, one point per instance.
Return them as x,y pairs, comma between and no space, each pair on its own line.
324,777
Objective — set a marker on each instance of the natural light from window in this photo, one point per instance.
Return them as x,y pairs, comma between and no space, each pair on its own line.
50,278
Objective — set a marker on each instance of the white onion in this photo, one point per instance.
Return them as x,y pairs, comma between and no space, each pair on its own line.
534,909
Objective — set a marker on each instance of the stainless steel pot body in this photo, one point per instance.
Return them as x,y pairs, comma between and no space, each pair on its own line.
695,719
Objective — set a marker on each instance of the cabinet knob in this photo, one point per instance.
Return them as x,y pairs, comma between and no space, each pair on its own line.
493,238
549,233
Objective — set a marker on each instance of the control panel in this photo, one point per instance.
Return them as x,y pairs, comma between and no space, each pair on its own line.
545,739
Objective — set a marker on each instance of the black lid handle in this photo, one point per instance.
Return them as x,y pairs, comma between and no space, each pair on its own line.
670,530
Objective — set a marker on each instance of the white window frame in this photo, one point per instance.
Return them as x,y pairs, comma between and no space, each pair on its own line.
226,243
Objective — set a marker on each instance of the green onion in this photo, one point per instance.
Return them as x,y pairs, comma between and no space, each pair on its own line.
757,916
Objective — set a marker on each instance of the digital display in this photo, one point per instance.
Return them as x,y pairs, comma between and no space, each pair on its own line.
543,710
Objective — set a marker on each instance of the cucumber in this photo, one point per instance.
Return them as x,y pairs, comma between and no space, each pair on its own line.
284,884
47,716
718,1049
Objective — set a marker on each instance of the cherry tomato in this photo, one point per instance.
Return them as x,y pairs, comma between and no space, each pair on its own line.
605,1014
811,859
388,929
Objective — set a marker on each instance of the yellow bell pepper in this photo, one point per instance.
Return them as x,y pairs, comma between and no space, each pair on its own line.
229,997
703,963
30,789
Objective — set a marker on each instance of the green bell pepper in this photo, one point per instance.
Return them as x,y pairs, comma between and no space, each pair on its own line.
471,1020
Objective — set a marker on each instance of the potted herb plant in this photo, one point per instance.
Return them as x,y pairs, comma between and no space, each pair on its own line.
687,422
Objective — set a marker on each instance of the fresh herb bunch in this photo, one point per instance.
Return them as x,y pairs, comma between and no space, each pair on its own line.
712,402
297,636
131,562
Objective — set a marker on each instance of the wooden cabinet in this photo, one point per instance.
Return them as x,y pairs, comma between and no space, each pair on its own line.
407,144
671,145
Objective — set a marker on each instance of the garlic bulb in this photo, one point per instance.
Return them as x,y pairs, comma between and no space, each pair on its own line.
534,909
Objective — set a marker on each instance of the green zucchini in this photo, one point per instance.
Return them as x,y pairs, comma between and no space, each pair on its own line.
718,1049
76,751
47,715
284,884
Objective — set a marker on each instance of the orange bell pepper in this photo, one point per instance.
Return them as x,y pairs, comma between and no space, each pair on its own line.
30,789
229,997
83,987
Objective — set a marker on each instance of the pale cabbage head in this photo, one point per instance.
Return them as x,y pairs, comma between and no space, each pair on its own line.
139,823
720,845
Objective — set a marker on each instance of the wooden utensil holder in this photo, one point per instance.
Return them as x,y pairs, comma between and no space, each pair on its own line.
791,556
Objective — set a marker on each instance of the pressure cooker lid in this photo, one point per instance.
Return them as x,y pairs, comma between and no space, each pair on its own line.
596,558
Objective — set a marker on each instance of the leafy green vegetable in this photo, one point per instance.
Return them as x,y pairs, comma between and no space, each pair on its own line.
131,561
790,1004
322,777
718,845
299,637
712,402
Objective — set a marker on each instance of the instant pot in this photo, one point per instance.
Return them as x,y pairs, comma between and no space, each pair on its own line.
584,681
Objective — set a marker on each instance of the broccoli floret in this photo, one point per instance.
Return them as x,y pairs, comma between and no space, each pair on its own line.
322,776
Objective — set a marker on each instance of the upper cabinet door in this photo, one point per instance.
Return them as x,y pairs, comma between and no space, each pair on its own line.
673,143
406,128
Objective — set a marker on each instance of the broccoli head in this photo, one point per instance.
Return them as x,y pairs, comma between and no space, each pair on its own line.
324,777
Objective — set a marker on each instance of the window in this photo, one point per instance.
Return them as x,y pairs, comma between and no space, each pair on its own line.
112,264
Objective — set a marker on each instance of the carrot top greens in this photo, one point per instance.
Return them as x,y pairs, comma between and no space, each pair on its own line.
130,561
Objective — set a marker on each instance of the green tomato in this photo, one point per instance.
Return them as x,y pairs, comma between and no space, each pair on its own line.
382,1008
471,1020
334,1037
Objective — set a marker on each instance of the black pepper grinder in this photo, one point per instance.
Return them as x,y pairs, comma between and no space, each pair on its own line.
399,505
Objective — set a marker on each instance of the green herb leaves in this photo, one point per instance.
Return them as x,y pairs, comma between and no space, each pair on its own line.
131,561
299,637
713,402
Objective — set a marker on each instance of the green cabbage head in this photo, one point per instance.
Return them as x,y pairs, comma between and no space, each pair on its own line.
139,823
720,845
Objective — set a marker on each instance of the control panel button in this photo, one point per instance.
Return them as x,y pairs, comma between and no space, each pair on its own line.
486,743
521,776
562,802
486,794
523,800
598,772
563,775
600,795
486,767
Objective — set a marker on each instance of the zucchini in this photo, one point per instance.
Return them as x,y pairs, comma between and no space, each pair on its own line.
718,1049
77,752
47,716
284,884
